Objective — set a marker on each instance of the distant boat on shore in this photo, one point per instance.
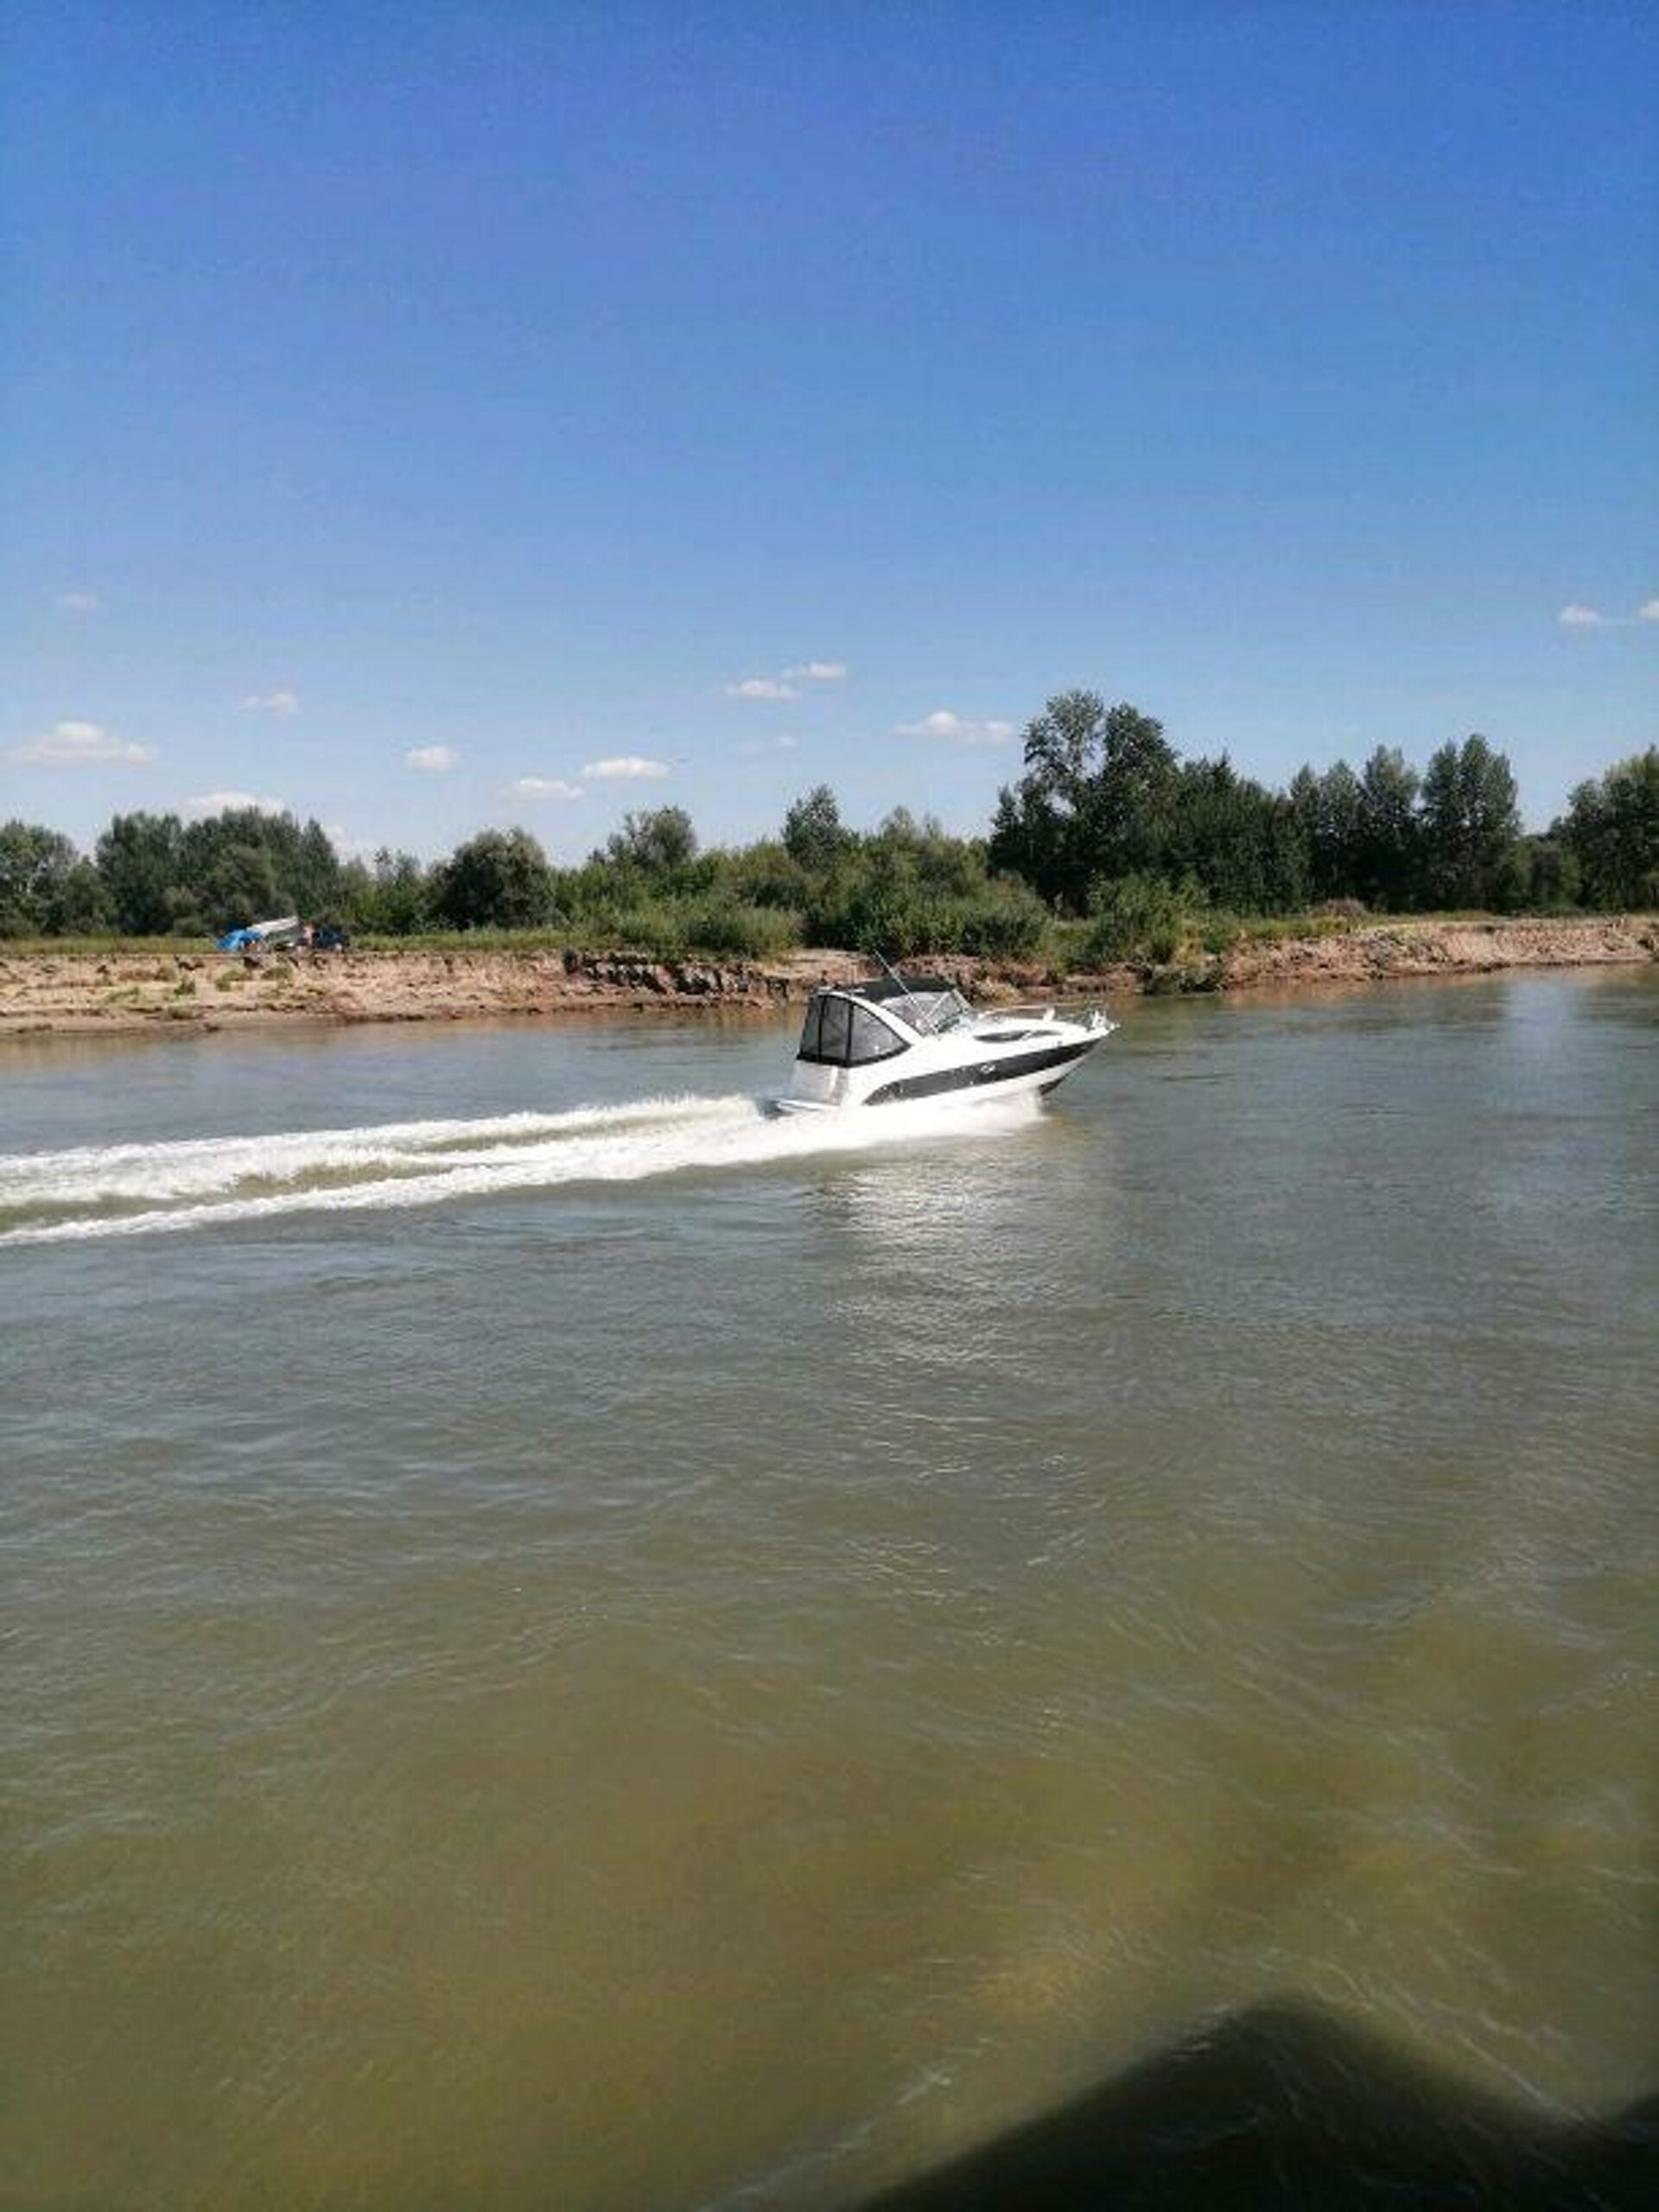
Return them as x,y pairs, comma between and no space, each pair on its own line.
284,931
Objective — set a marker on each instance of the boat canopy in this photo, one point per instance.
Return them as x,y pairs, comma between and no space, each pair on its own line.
895,987
841,1031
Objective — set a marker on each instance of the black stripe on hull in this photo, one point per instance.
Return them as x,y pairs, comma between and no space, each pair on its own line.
985,1077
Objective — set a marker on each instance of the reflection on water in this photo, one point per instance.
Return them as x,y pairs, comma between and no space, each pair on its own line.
735,1686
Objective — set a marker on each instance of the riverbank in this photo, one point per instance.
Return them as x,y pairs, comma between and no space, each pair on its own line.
48,992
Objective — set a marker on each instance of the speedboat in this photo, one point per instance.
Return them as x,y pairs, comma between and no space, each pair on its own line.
899,1040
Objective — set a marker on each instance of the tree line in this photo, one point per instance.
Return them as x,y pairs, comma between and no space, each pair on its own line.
1108,827
1105,798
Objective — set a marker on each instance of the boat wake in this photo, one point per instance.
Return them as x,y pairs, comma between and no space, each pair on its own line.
141,1189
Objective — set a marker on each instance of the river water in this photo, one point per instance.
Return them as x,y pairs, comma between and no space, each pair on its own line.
567,1646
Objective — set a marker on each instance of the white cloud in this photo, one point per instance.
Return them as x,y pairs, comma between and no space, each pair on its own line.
542,787
271,703
626,767
349,847
753,747
80,602
80,744
762,687
207,803
432,758
819,671
1591,618
957,729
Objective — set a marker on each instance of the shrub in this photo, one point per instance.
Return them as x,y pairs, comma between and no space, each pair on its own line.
1145,917
724,924
1004,921
766,875
897,918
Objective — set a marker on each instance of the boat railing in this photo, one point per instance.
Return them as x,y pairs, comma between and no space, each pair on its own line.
1047,1010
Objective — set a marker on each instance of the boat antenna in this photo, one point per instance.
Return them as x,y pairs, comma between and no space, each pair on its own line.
932,1027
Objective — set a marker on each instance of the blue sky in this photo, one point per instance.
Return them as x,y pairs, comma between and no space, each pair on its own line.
510,386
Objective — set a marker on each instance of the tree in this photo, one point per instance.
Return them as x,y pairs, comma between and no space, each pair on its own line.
392,898
239,865
1096,800
1128,810
657,843
244,864
1063,748
79,904
1537,873
1388,855
1336,838
813,835
1302,800
141,864
1613,828
499,880
1289,863
45,888
1471,819
1025,839
237,885
1237,838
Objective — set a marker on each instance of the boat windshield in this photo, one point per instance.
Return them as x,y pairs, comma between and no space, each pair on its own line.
932,1011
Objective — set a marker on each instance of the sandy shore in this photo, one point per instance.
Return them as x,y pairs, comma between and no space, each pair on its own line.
47,993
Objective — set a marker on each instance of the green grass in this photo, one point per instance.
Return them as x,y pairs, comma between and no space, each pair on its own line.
433,941
102,946
1267,928
720,928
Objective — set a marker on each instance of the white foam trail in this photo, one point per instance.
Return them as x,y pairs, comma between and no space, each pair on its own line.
133,1190
199,1166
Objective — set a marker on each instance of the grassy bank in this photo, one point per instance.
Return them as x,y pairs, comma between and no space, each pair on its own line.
766,933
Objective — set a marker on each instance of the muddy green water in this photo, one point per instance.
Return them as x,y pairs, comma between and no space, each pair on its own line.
638,1658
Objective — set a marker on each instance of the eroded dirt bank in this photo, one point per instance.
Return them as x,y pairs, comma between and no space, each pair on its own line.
1379,951
47,992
